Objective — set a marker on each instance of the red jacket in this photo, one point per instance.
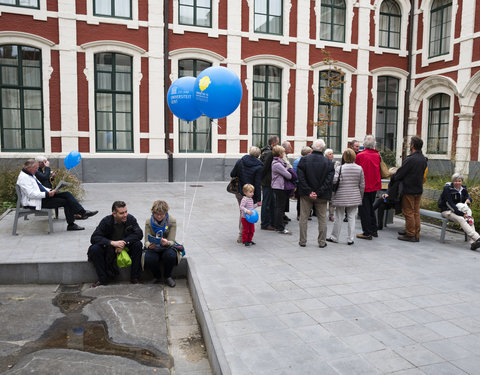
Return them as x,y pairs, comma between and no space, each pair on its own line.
369,160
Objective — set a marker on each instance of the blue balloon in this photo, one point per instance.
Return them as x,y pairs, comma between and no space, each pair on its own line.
218,92
253,218
180,99
72,159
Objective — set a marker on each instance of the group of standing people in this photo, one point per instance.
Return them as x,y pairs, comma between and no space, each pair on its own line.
348,187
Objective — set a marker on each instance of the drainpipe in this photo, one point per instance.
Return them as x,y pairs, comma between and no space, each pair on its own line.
409,78
166,85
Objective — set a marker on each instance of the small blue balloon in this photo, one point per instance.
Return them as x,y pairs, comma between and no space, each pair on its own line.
72,159
218,92
253,218
180,99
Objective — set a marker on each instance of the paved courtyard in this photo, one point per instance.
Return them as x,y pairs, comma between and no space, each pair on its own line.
377,307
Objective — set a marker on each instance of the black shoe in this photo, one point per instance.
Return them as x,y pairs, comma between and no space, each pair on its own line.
135,281
85,215
302,244
330,240
402,232
97,283
375,234
345,220
350,243
247,244
170,282
322,246
74,227
286,218
475,245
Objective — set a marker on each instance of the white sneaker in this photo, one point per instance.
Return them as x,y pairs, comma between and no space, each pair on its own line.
285,231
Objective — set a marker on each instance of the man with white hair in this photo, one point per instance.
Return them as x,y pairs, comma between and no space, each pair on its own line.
369,159
315,176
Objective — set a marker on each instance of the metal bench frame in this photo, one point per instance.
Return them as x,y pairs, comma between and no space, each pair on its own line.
438,215
20,211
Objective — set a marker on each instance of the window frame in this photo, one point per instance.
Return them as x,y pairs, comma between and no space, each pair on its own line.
17,5
268,16
195,7
114,93
112,15
440,124
264,134
442,24
389,31
193,124
21,89
386,108
338,122
331,23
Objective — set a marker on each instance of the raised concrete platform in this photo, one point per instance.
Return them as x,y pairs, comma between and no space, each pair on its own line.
377,307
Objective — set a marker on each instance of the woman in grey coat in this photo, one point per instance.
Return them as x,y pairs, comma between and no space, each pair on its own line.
348,196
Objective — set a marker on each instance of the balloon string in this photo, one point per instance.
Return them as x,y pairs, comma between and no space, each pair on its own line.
185,185
198,176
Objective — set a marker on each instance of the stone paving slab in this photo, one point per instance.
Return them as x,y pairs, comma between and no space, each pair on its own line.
379,306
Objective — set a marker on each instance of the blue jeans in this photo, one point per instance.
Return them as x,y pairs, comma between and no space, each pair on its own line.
154,261
268,207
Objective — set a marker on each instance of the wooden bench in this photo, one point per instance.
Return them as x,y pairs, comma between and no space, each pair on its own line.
21,211
438,216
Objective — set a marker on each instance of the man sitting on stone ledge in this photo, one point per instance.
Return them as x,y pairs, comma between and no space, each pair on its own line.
115,232
37,196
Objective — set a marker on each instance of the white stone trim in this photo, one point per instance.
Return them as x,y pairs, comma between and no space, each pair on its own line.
132,23
45,45
37,14
123,48
196,54
347,45
425,9
285,65
347,90
402,76
180,29
117,45
470,93
405,7
284,38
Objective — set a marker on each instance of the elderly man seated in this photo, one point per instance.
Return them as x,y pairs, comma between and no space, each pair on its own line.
37,196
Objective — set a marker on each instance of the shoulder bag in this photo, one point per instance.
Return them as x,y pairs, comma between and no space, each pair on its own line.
337,184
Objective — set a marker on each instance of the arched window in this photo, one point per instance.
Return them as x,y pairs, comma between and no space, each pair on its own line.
21,100
113,102
268,16
440,26
438,121
195,12
330,101
390,23
387,113
267,103
194,136
332,20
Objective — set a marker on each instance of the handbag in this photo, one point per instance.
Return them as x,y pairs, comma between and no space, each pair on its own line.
123,259
232,186
384,173
337,184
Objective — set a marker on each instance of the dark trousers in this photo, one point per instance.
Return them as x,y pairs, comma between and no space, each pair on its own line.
268,207
281,198
103,261
155,260
380,206
67,201
367,213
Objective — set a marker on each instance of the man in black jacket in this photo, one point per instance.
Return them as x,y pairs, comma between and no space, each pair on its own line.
411,174
268,200
114,233
248,169
315,175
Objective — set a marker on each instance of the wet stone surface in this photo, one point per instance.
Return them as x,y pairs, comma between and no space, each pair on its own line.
73,329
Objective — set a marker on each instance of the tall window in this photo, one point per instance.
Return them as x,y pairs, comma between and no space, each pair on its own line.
331,131
21,3
332,20
113,102
113,8
267,103
194,136
440,25
390,22
438,119
21,103
195,12
387,113
269,16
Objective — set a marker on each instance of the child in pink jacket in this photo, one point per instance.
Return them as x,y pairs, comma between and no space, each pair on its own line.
246,207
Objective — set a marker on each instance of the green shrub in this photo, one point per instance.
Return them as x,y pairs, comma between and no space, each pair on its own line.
389,158
8,179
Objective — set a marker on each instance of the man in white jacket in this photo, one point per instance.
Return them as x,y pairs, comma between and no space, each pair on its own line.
37,196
